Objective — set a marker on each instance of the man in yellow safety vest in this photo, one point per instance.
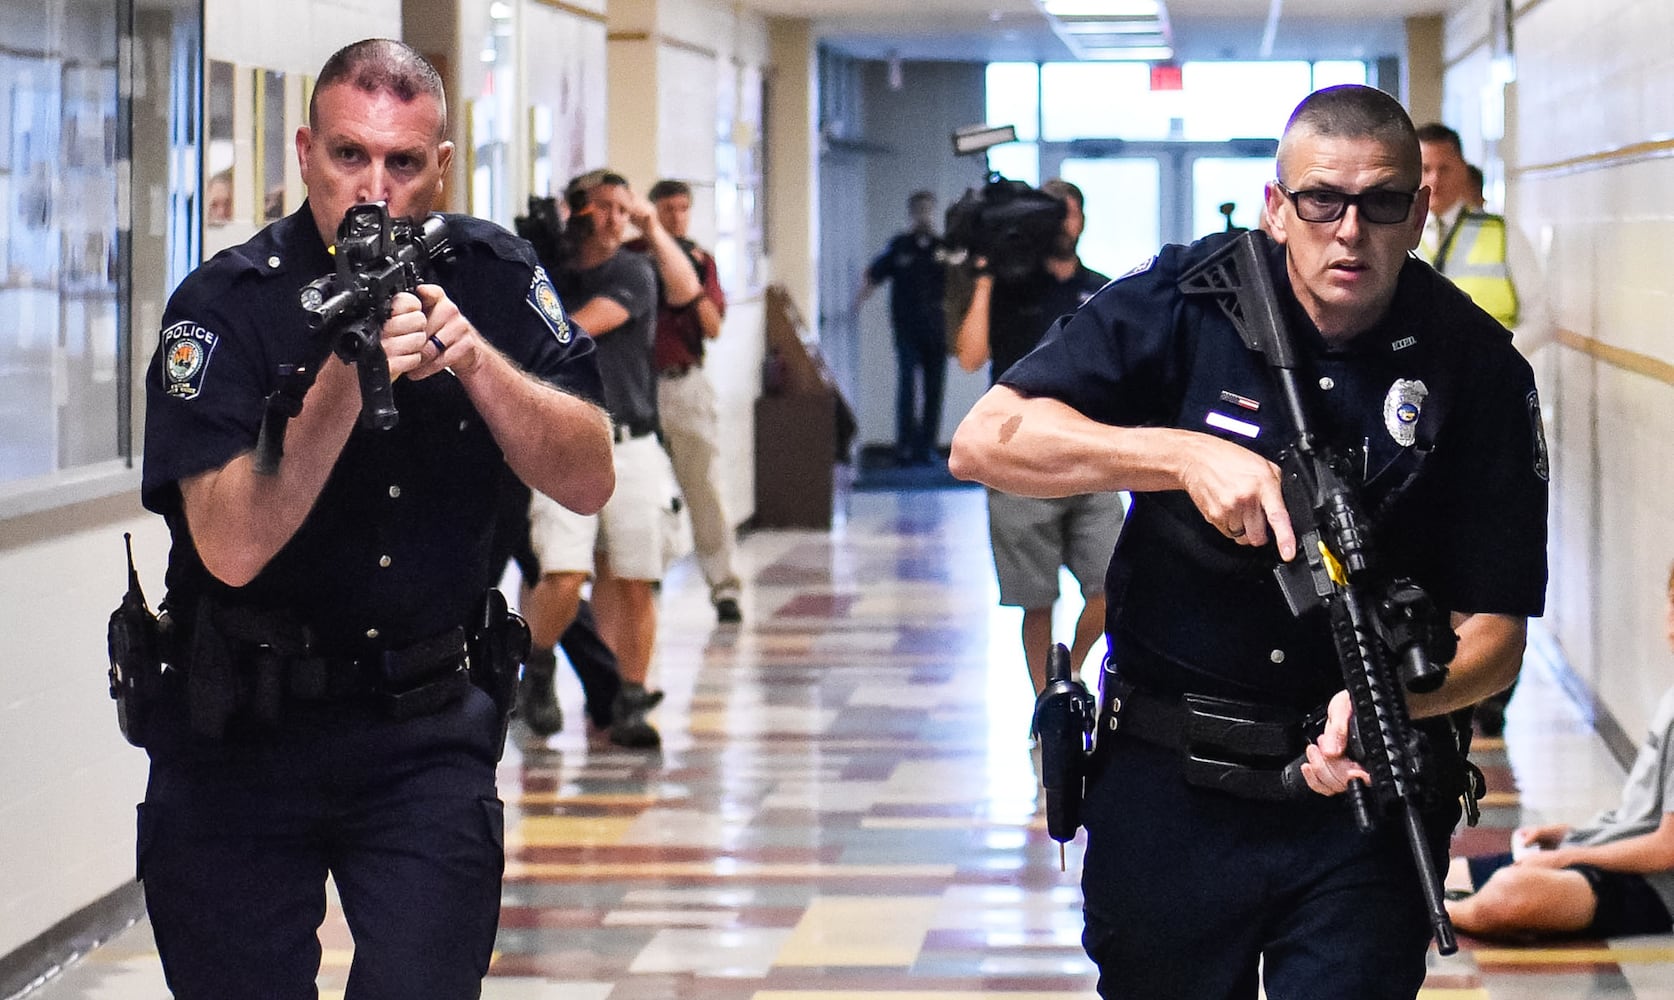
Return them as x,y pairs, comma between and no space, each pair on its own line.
1466,245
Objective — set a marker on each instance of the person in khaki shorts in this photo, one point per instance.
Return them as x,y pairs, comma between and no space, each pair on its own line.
686,401
624,549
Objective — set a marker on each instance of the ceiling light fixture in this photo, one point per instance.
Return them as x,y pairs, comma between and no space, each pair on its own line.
1112,29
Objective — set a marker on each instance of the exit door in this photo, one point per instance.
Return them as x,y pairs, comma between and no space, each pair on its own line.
1141,195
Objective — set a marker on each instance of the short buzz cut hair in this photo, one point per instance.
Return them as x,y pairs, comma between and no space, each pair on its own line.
1437,132
920,197
381,65
1355,111
668,187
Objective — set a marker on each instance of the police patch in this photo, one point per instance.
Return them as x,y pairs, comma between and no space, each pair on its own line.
1401,408
187,349
1537,426
545,300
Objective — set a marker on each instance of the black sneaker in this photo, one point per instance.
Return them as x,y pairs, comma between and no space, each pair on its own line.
727,611
537,701
628,726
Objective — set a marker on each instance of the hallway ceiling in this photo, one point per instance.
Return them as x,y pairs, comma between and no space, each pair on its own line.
991,30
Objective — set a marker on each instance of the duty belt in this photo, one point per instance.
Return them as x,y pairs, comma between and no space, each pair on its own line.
1237,747
251,662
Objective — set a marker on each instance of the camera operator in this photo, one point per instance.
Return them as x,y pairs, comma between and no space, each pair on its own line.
1032,537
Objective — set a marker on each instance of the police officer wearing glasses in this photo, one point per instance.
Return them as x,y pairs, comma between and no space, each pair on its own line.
1190,889
319,718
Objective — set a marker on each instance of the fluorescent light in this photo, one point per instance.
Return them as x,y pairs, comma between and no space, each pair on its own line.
1155,53
1102,8
1091,26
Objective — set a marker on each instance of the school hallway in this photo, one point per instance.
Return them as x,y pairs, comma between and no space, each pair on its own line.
846,804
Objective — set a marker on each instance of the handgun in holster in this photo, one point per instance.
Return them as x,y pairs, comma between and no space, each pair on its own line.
1064,725
135,639
495,647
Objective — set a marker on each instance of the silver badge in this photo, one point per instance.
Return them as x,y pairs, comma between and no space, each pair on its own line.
1401,408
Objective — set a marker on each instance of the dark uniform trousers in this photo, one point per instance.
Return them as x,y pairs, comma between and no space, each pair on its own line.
1183,909
236,839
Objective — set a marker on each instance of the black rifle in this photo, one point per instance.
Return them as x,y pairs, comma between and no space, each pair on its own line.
377,257
1387,632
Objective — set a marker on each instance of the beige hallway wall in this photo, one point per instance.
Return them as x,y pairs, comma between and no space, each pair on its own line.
1590,183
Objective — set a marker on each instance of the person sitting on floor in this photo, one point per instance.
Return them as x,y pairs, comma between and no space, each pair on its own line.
1612,877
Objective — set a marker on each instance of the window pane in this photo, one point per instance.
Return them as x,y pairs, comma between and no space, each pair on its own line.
1105,100
1123,207
1242,100
1331,73
1019,161
76,278
1014,98
1218,180
58,322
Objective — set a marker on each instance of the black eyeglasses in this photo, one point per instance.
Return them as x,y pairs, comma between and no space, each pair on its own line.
1376,205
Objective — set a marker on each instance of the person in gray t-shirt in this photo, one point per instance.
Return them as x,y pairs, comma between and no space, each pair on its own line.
1611,876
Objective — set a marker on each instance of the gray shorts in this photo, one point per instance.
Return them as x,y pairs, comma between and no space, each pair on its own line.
1033,538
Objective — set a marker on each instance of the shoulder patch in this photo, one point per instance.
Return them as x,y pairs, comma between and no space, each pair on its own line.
187,349
1140,268
544,298
1537,427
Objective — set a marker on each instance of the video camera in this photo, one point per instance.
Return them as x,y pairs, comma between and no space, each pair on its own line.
543,227
1008,223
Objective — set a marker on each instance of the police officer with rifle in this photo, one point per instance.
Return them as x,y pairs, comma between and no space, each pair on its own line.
1337,536
329,696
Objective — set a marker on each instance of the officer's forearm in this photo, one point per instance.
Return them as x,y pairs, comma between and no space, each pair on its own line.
1490,653
240,519
555,442
1041,447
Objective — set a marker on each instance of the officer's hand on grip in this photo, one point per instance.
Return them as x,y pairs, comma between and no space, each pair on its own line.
1238,492
1329,768
426,333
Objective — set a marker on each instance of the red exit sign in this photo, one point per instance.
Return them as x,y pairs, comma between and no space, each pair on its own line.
1166,76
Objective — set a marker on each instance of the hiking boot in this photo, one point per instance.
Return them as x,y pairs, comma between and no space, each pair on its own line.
628,727
537,701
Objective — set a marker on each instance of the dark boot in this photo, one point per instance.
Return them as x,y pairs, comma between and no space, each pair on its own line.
628,727
594,664
537,701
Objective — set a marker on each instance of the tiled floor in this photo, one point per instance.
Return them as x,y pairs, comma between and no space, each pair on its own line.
845,806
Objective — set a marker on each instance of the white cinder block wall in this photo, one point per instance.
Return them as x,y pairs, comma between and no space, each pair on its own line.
1591,185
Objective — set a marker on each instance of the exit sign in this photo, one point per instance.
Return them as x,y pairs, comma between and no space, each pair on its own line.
1166,76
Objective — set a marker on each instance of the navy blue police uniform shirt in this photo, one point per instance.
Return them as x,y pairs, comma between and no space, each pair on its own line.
1434,409
396,547
1020,313
913,265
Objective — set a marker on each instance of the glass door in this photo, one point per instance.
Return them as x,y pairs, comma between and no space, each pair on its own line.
1141,195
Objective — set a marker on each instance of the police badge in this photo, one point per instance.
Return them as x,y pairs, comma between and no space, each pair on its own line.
1401,408
544,298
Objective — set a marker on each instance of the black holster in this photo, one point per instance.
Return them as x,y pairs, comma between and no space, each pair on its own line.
496,646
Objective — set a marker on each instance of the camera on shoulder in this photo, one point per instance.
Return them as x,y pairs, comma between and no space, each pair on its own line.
543,227
1008,223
